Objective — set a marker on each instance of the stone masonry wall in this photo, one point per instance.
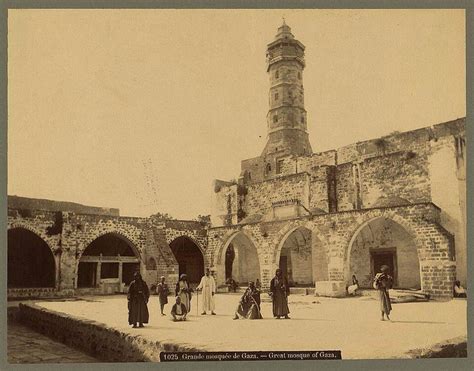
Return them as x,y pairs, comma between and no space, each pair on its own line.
103,342
336,233
69,234
262,195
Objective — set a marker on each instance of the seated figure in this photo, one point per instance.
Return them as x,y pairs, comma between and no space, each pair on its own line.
178,311
458,290
249,305
352,289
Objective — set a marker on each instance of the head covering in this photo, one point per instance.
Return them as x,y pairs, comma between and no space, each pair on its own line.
384,268
183,276
162,277
251,283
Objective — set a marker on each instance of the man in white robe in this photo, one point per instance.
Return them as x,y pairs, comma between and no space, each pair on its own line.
208,288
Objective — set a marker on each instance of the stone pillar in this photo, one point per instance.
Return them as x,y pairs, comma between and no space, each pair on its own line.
99,266
57,275
120,271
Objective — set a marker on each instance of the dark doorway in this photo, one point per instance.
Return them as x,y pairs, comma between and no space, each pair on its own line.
388,258
115,250
30,260
128,270
109,270
87,275
284,265
189,257
229,260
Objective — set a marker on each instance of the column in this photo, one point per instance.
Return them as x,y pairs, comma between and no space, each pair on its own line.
120,270
97,278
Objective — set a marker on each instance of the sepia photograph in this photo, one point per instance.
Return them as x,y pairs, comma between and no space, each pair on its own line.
236,185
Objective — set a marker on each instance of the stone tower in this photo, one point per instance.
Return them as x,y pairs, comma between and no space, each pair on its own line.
286,118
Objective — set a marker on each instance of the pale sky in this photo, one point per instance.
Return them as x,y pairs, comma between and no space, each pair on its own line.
143,109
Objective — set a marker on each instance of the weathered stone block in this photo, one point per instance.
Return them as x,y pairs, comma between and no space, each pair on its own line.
336,289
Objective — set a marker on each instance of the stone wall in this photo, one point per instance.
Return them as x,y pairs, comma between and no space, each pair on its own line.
69,234
423,165
27,203
261,196
334,235
103,342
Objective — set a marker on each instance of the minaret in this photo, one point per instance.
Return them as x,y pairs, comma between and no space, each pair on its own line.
286,118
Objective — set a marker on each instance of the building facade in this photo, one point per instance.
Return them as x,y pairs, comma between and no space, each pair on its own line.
64,249
322,217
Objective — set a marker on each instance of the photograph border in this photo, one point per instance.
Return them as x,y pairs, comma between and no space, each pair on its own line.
420,364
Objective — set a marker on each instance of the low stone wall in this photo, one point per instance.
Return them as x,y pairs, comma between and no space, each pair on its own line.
38,293
96,339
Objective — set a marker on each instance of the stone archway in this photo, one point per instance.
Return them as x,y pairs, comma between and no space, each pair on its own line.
31,263
383,241
301,255
110,259
189,257
238,259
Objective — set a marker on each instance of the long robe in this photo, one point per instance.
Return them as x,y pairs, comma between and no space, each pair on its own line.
208,287
280,290
184,292
383,282
138,295
249,306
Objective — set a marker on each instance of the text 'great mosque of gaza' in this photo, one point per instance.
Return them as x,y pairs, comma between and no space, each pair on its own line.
399,200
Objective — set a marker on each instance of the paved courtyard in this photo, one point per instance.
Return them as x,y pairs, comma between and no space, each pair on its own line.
27,346
351,325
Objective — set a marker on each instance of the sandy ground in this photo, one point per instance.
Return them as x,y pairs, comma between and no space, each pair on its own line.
351,325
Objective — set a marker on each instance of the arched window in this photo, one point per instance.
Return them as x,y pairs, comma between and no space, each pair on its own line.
275,118
277,75
268,168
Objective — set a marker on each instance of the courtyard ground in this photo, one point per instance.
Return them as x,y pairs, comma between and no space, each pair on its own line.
27,346
351,325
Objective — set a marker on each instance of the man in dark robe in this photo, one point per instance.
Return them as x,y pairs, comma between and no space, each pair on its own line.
163,292
279,292
249,305
383,282
138,295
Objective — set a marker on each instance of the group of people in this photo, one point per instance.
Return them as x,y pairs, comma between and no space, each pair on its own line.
247,308
249,304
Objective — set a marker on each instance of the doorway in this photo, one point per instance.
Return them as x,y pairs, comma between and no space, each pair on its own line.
386,257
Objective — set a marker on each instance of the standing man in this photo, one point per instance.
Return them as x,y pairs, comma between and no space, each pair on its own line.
208,288
279,292
383,282
163,292
184,291
138,295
